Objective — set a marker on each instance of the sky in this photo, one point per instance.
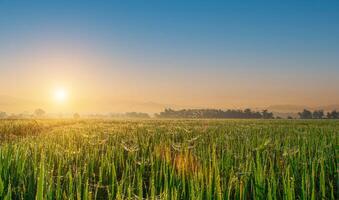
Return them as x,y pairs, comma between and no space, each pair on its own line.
121,55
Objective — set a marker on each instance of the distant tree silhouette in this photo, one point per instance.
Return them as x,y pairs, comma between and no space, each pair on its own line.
333,115
248,112
39,112
289,117
212,113
76,116
267,115
137,115
305,114
318,114
3,114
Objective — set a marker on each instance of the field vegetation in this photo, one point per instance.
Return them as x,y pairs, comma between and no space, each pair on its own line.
169,159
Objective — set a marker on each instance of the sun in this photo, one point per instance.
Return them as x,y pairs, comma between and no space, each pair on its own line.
60,95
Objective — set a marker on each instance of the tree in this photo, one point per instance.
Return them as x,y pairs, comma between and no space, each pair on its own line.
247,112
39,112
137,115
318,114
289,117
212,114
333,115
267,115
76,116
305,114
3,115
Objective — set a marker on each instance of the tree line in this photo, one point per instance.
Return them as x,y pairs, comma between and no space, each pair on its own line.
40,113
214,113
240,114
193,114
318,114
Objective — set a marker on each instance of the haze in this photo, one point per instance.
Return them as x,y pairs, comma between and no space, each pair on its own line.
137,55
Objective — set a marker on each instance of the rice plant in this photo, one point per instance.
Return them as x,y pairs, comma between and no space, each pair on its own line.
169,159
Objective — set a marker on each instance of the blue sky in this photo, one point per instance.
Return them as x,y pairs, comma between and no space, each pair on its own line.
212,41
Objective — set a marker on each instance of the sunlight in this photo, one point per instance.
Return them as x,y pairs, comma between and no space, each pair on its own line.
60,95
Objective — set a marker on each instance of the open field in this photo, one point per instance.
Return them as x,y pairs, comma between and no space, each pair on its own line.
169,159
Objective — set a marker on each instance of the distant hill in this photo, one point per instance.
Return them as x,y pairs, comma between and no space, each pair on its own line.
151,107
328,107
18,105
13,104
298,108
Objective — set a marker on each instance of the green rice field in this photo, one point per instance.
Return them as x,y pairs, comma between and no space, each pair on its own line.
169,159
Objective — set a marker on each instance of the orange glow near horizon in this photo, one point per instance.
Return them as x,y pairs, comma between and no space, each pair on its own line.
54,80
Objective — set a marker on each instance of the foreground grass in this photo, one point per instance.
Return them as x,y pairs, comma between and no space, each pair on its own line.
169,159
